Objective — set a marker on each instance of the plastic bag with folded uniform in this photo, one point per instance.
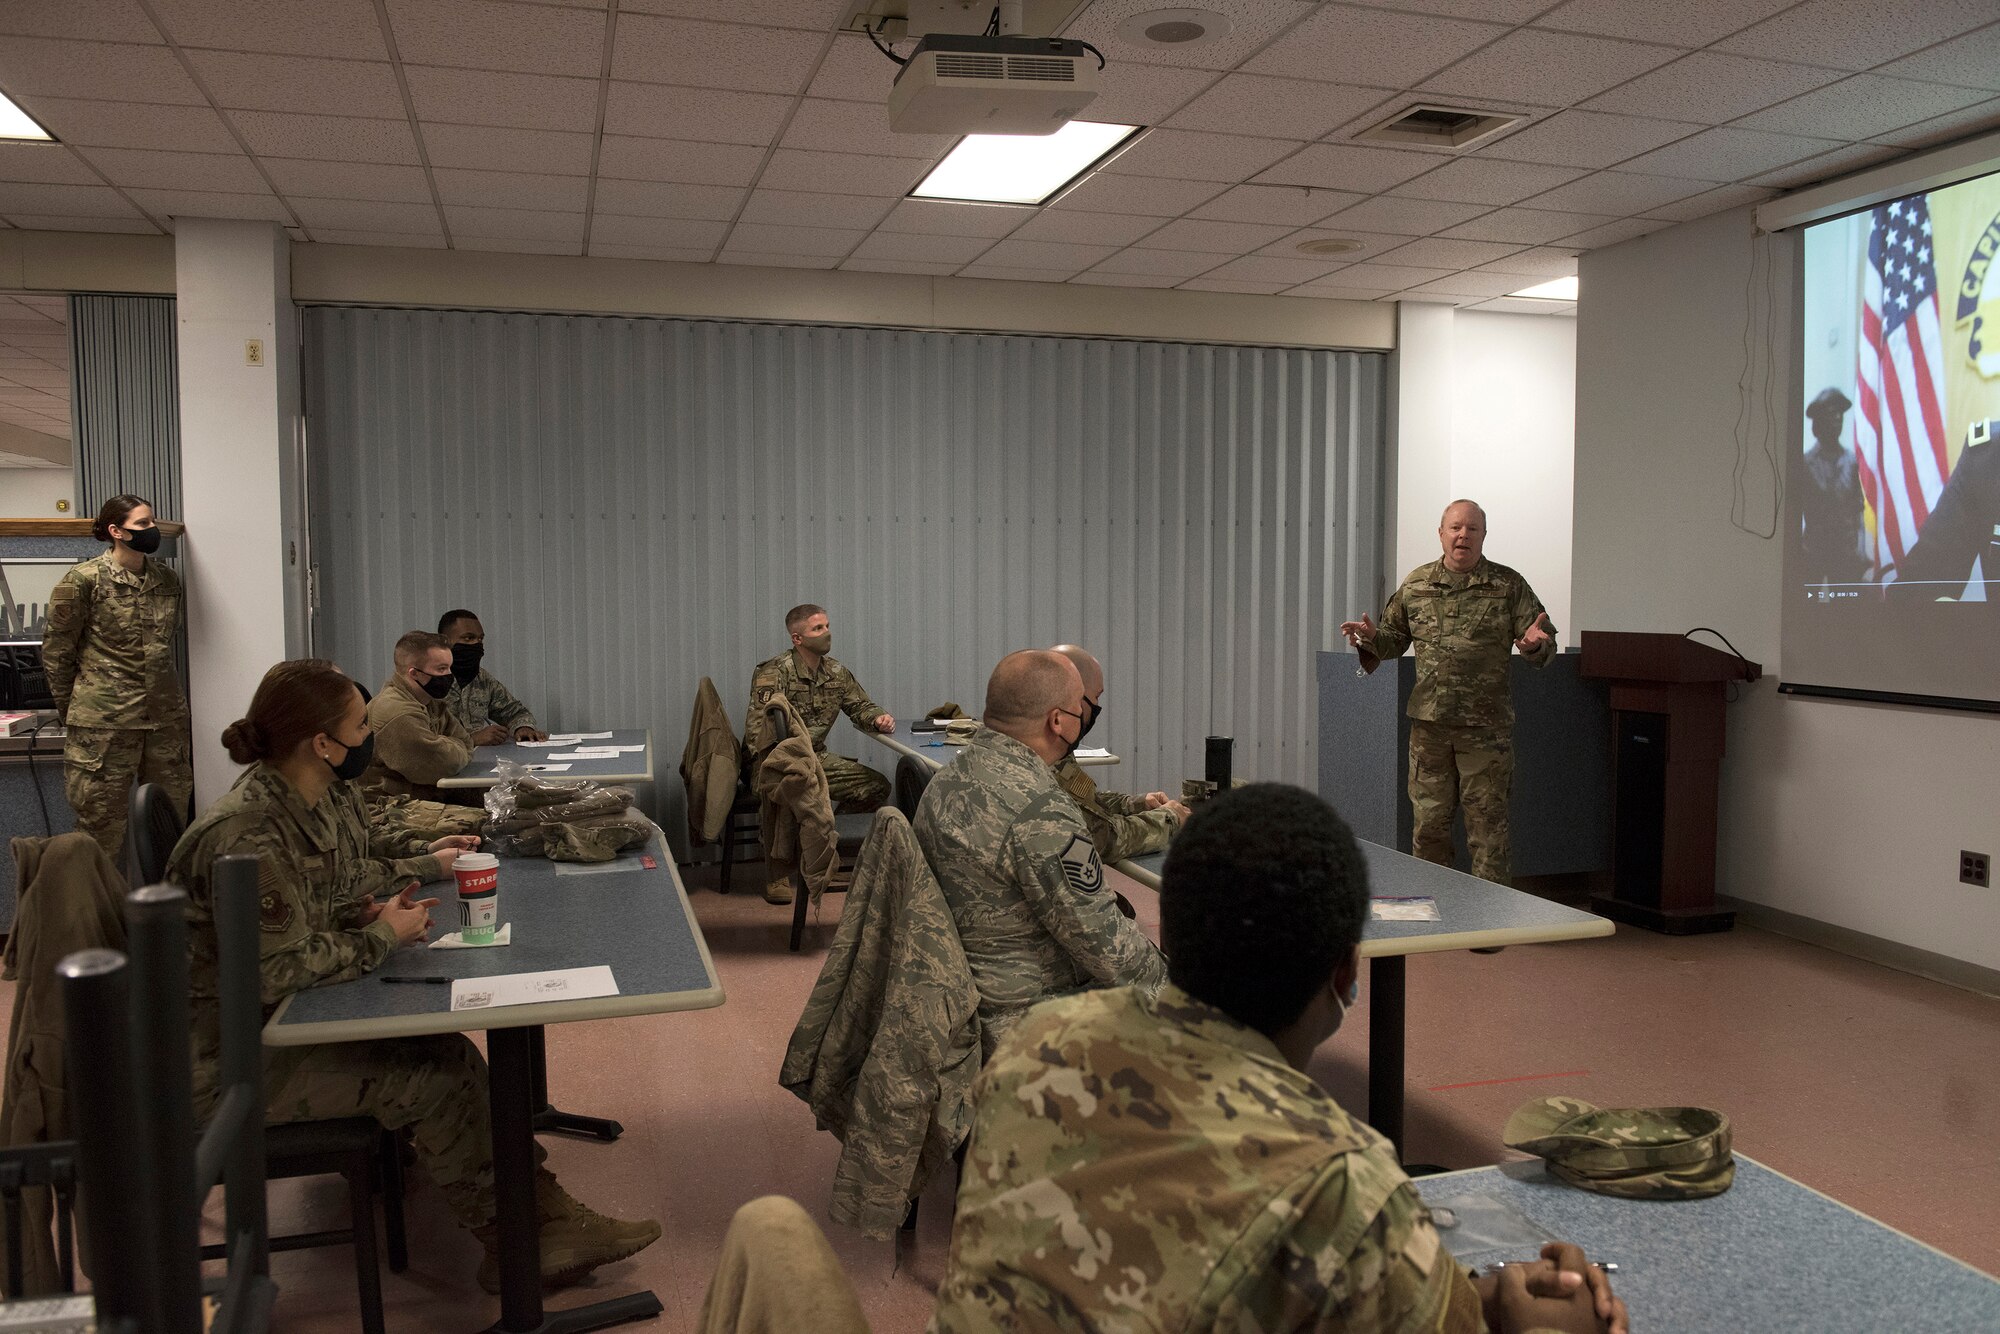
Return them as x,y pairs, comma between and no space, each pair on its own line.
577,821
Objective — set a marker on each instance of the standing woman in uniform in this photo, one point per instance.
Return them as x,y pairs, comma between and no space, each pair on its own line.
109,654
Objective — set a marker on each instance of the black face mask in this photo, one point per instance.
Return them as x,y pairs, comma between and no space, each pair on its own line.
1070,748
355,763
437,687
145,541
465,661
1090,719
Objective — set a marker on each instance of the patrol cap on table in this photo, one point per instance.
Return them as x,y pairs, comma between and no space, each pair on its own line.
1640,1153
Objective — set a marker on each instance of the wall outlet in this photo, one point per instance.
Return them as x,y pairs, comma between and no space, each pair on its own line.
253,352
1975,868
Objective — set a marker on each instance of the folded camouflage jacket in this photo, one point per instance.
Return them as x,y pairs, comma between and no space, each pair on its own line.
794,809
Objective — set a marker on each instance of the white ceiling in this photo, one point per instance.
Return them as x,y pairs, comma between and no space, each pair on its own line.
34,365
645,128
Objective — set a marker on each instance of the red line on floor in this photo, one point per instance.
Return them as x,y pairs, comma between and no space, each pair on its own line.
1515,1079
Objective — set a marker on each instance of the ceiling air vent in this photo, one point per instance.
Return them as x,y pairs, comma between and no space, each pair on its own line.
1439,126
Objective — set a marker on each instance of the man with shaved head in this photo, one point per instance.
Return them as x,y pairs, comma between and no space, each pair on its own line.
1120,825
1015,859
1465,614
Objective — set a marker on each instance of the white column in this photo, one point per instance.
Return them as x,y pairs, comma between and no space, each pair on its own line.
1422,443
239,414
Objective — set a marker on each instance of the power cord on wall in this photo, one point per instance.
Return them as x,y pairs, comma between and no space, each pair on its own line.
1730,693
1750,396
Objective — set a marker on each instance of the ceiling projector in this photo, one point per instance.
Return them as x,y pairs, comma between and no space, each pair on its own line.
954,84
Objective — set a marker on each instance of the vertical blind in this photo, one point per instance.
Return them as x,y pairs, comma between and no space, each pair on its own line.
125,393
632,504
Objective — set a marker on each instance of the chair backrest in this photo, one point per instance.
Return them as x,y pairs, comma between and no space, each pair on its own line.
912,777
781,725
51,1166
154,827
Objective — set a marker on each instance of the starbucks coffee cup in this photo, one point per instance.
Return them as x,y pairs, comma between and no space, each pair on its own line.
478,875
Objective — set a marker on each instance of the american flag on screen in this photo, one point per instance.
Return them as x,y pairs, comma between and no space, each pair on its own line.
1899,441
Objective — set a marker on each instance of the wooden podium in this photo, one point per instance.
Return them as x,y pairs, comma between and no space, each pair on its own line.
1667,724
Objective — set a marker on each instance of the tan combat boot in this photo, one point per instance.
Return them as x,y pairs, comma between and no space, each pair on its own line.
575,1238
778,891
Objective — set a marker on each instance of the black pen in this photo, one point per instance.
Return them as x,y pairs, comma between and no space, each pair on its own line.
414,980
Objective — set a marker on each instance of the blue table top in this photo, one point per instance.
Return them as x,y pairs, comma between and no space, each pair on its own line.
1768,1254
656,954
934,750
1473,913
629,767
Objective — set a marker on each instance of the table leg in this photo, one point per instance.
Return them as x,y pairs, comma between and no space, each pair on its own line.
510,1057
549,1121
1385,1047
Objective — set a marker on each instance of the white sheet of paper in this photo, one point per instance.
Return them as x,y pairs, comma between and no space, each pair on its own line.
491,993
586,753
622,750
589,736
1417,909
552,741
1091,752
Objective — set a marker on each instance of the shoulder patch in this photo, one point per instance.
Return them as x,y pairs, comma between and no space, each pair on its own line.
1080,865
272,911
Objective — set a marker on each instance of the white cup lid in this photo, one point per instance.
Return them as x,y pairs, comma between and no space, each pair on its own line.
475,861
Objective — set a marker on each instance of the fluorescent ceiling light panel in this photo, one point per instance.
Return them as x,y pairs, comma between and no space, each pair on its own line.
18,124
1560,289
1021,168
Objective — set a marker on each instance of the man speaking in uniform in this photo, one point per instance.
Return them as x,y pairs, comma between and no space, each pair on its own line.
1464,613
819,688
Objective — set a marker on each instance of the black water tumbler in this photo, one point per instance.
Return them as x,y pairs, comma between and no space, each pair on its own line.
1216,767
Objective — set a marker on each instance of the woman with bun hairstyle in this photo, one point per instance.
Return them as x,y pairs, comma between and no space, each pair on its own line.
304,738
109,653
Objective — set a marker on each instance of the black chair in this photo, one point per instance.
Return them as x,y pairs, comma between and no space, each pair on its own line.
50,1166
912,777
849,832
153,825
739,827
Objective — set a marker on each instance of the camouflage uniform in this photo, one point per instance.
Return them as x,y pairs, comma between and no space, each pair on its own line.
315,877
109,653
1120,825
832,690
484,699
1151,1164
1461,715
417,742
1026,888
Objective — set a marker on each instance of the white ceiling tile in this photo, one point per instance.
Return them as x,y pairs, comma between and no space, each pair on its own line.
1859,34
492,148
1294,205
1099,278
767,238
1548,68
1514,305
1102,193
1252,23
291,27
103,21
1372,47
668,199
1611,233
1141,94
854,127
676,254
1192,155
1370,244
1087,228
495,97
1437,298
1163,263
628,158
211,204
1528,226
1718,200
134,125
348,180
763,260
1983,116
1476,284
1280,108
1540,262
515,245
1814,169
1493,11
1729,154
51,164
803,208
713,55
262,82
1674,22
401,240
1437,252
679,233
710,115
840,173
1013,275
511,189
1388,277
905,247
511,223
489,34
815,14
927,217
233,172
1618,192
1587,139
326,138
1271,269
1206,284
854,71
1972,61
368,215
1227,238
1711,87
1348,167
1412,217
1044,254
108,71
1862,107
855,264
1482,180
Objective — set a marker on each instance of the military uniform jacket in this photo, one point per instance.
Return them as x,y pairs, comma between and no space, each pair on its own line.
1464,627
819,698
310,897
1120,825
1150,1164
1026,888
1965,523
417,742
482,699
109,648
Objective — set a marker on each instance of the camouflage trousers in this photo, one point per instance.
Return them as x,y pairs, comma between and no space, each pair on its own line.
1461,768
855,788
100,765
432,820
